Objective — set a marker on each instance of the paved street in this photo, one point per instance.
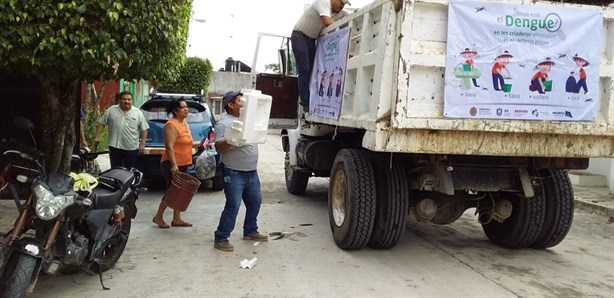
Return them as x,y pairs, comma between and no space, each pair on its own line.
453,260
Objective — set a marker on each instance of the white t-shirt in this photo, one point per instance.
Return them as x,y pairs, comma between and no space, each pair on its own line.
243,158
124,128
310,22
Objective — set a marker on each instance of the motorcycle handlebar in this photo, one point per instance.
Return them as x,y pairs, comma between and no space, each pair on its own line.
10,146
89,156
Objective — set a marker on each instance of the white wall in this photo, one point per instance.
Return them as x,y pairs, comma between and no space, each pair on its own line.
222,81
603,166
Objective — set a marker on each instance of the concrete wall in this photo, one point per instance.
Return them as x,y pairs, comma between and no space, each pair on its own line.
605,167
221,81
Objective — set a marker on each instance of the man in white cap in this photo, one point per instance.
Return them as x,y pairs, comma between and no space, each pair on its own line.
318,15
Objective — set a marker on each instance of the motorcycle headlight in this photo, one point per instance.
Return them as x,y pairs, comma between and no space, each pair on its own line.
48,206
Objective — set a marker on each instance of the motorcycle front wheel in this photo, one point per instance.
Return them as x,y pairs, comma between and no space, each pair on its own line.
20,278
112,253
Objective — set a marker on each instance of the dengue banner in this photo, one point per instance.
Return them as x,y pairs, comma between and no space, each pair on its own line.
328,75
533,62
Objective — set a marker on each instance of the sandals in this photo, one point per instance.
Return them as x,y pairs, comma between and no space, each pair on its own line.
162,225
181,224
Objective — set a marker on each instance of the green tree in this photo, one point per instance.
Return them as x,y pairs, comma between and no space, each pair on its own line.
194,76
61,43
276,68
273,67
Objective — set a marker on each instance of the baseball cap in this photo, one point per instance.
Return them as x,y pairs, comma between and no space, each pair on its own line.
229,96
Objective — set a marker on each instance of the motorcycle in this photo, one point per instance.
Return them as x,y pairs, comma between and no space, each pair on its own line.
72,229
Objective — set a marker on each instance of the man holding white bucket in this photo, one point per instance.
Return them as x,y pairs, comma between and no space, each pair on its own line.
240,178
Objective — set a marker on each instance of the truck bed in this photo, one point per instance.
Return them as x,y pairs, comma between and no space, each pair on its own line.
394,90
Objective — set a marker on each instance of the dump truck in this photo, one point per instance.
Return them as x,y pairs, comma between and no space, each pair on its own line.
420,127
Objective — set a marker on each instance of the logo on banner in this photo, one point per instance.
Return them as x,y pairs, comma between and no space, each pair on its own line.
473,111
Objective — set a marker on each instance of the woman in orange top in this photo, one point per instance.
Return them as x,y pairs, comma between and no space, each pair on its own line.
177,156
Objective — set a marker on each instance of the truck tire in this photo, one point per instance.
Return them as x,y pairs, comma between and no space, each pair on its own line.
352,199
523,226
20,278
296,182
559,208
392,204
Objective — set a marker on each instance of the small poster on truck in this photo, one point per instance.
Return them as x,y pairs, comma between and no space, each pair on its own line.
328,75
531,62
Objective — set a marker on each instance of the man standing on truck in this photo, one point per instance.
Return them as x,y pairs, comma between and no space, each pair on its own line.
318,15
240,178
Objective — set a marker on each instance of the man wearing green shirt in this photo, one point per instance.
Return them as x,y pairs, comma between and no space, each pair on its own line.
127,131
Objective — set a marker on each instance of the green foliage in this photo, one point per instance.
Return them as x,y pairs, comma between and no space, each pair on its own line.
276,68
94,39
90,122
194,76
273,67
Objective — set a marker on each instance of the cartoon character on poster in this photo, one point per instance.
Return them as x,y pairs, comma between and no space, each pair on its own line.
571,85
539,81
331,80
466,71
500,72
322,80
338,89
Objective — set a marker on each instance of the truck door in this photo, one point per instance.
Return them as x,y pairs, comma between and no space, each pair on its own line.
277,80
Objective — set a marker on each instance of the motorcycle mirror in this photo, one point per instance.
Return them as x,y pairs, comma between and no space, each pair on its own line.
23,123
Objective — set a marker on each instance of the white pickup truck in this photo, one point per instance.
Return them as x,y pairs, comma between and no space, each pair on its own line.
393,151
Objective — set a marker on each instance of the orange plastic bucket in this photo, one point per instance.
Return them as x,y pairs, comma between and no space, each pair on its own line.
182,190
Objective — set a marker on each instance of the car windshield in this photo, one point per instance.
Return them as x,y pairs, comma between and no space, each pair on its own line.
197,114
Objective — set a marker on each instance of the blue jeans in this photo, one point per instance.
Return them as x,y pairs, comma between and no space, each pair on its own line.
304,49
239,185
122,158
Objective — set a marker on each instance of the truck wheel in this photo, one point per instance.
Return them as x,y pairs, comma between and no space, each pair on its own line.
559,208
296,182
524,225
351,199
20,278
392,204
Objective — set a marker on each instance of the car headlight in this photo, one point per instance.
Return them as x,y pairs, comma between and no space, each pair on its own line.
48,206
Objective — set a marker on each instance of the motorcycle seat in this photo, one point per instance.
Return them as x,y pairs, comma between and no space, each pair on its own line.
123,176
113,185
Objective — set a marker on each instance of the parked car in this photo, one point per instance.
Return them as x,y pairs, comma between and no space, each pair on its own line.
201,122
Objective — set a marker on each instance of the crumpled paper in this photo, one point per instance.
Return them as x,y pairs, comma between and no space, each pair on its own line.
248,264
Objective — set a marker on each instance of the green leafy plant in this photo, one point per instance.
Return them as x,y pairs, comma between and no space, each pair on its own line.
273,67
194,76
62,43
